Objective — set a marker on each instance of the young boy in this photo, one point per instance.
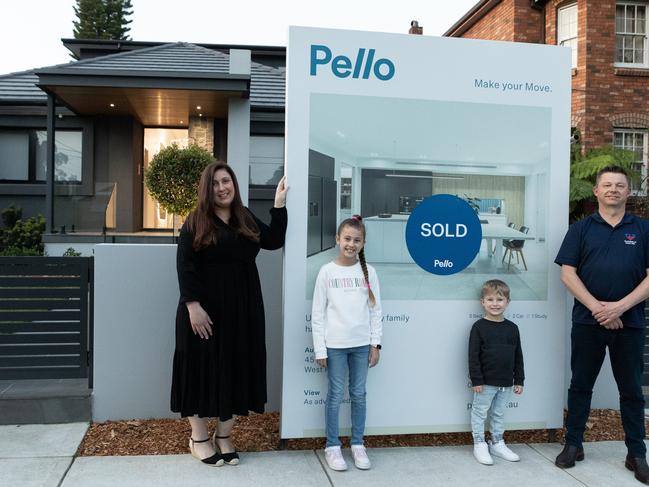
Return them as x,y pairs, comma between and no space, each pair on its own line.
495,363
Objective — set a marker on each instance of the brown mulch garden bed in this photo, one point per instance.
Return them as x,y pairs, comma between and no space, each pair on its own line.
260,432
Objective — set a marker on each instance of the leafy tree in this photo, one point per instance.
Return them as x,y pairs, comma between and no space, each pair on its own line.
102,19
21,237
584,169
173,174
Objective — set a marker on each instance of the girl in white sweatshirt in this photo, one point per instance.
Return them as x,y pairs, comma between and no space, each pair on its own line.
346,325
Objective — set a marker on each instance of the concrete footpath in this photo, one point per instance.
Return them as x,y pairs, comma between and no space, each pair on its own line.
44,455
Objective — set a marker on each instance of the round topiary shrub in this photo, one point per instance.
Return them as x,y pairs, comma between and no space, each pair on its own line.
173,174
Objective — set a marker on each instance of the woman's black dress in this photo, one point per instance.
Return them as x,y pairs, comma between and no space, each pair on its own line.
226,374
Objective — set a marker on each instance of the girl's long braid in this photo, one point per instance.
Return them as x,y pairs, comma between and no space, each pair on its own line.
361,258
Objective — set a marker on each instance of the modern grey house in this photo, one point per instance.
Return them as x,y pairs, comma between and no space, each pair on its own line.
110,112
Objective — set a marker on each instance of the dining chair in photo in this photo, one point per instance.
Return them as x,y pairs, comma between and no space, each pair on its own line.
512,246
505,242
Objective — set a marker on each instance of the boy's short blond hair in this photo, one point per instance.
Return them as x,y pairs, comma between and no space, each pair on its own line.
495,286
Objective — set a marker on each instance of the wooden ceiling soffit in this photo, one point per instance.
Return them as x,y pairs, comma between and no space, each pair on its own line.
152,107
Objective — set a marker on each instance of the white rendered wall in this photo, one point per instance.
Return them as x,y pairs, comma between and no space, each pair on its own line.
136,294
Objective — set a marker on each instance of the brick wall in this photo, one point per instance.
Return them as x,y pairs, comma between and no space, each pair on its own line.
603,97
497,25
528,23
614,97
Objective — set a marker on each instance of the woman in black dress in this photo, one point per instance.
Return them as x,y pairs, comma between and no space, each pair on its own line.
219,365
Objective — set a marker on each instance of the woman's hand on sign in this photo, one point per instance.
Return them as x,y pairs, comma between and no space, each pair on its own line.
280,193
518,389
477,389
200,320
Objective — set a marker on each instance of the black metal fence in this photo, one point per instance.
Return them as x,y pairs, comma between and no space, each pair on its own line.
45,317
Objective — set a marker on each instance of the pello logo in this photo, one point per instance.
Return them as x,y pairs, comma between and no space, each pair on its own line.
630,239
364,65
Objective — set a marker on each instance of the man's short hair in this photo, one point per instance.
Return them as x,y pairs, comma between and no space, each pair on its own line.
495,286
613,169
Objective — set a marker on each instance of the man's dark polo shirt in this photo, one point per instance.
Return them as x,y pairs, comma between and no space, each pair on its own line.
610,261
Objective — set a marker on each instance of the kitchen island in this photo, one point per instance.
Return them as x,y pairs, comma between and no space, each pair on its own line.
385,242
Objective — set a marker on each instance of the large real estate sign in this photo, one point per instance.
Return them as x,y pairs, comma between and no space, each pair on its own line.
412,132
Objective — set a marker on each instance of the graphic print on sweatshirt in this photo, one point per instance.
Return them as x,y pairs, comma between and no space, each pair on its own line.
348,284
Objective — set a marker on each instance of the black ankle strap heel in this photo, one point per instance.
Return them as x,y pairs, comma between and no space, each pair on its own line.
215,460
231,458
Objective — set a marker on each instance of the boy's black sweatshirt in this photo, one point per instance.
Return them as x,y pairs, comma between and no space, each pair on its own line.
495,354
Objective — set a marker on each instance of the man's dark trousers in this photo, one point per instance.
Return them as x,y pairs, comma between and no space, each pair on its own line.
626,347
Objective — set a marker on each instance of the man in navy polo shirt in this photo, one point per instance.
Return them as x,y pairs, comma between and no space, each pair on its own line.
604,263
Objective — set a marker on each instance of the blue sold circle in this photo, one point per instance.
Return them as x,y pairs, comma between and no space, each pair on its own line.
443,234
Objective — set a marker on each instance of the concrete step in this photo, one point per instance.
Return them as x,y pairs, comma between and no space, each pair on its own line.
45,401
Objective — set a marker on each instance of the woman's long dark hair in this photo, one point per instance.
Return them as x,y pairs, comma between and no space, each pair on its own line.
201,219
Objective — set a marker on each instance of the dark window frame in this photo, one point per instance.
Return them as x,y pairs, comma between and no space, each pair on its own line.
31,125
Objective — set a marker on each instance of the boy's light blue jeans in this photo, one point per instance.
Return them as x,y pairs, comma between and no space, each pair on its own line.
491,401
339,360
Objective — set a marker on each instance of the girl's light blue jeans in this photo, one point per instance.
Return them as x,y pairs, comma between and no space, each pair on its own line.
490,402
339,361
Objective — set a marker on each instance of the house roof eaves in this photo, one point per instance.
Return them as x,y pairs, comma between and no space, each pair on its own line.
48,81
470,18
128,73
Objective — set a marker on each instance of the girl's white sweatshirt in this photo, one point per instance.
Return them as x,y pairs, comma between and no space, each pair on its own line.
341,316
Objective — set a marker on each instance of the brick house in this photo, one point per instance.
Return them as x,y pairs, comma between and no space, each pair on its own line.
610,59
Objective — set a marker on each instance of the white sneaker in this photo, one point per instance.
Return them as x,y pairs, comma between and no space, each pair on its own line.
500,450
335,459
361,460
481,453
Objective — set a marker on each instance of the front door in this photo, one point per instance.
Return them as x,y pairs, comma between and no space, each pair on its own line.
154,216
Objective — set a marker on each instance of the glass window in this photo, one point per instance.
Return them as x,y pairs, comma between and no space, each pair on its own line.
14,156
23,156
636,142
567,29
630,28
266,160
67,156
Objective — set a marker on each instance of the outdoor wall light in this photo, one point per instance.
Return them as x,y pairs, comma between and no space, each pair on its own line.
112,105
198,107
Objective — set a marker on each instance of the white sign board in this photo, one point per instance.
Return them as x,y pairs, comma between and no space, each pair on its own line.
378,122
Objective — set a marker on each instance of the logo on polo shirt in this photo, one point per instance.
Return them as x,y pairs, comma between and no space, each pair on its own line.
630,239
